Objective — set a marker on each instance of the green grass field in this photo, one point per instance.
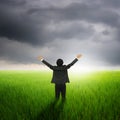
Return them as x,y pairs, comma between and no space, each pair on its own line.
29,95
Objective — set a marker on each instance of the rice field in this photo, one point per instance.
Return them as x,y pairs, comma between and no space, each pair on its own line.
29,95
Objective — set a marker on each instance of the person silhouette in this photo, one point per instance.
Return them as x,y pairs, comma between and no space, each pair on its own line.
60,75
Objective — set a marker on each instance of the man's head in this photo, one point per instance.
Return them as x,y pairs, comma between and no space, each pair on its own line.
59,62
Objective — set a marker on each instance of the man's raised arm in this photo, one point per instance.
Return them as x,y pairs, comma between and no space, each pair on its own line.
45,62
74,61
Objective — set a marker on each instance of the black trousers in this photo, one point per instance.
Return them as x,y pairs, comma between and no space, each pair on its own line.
60,88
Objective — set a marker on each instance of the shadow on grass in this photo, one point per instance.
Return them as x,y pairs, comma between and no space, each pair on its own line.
52,111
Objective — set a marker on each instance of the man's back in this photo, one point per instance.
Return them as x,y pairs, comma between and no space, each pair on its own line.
60,74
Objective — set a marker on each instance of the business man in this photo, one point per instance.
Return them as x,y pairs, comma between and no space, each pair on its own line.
60,75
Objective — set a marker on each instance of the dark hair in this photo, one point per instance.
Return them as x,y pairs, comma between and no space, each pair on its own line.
59,62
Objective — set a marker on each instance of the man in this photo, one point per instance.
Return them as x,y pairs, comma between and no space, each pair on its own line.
60,75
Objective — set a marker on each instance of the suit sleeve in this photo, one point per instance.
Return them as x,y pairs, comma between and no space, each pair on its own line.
72,63
47,64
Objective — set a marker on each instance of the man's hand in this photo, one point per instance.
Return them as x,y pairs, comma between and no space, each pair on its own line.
40,58
79,56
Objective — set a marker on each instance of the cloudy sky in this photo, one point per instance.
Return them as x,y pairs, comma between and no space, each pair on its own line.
59,29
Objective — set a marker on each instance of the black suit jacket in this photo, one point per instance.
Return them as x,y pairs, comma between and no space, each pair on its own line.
60,74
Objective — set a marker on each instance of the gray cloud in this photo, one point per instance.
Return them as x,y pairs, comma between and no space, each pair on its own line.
79,11
16,52
13,2
112,3
29,28
18,26
29,24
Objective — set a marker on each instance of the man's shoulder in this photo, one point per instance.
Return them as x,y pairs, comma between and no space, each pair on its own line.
60,66
63,67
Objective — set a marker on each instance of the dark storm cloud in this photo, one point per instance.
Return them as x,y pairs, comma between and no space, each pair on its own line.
108,53
13,2
11,51
56,27
18,26
109,56
79,11
16,52
29,25
92,14
112,3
